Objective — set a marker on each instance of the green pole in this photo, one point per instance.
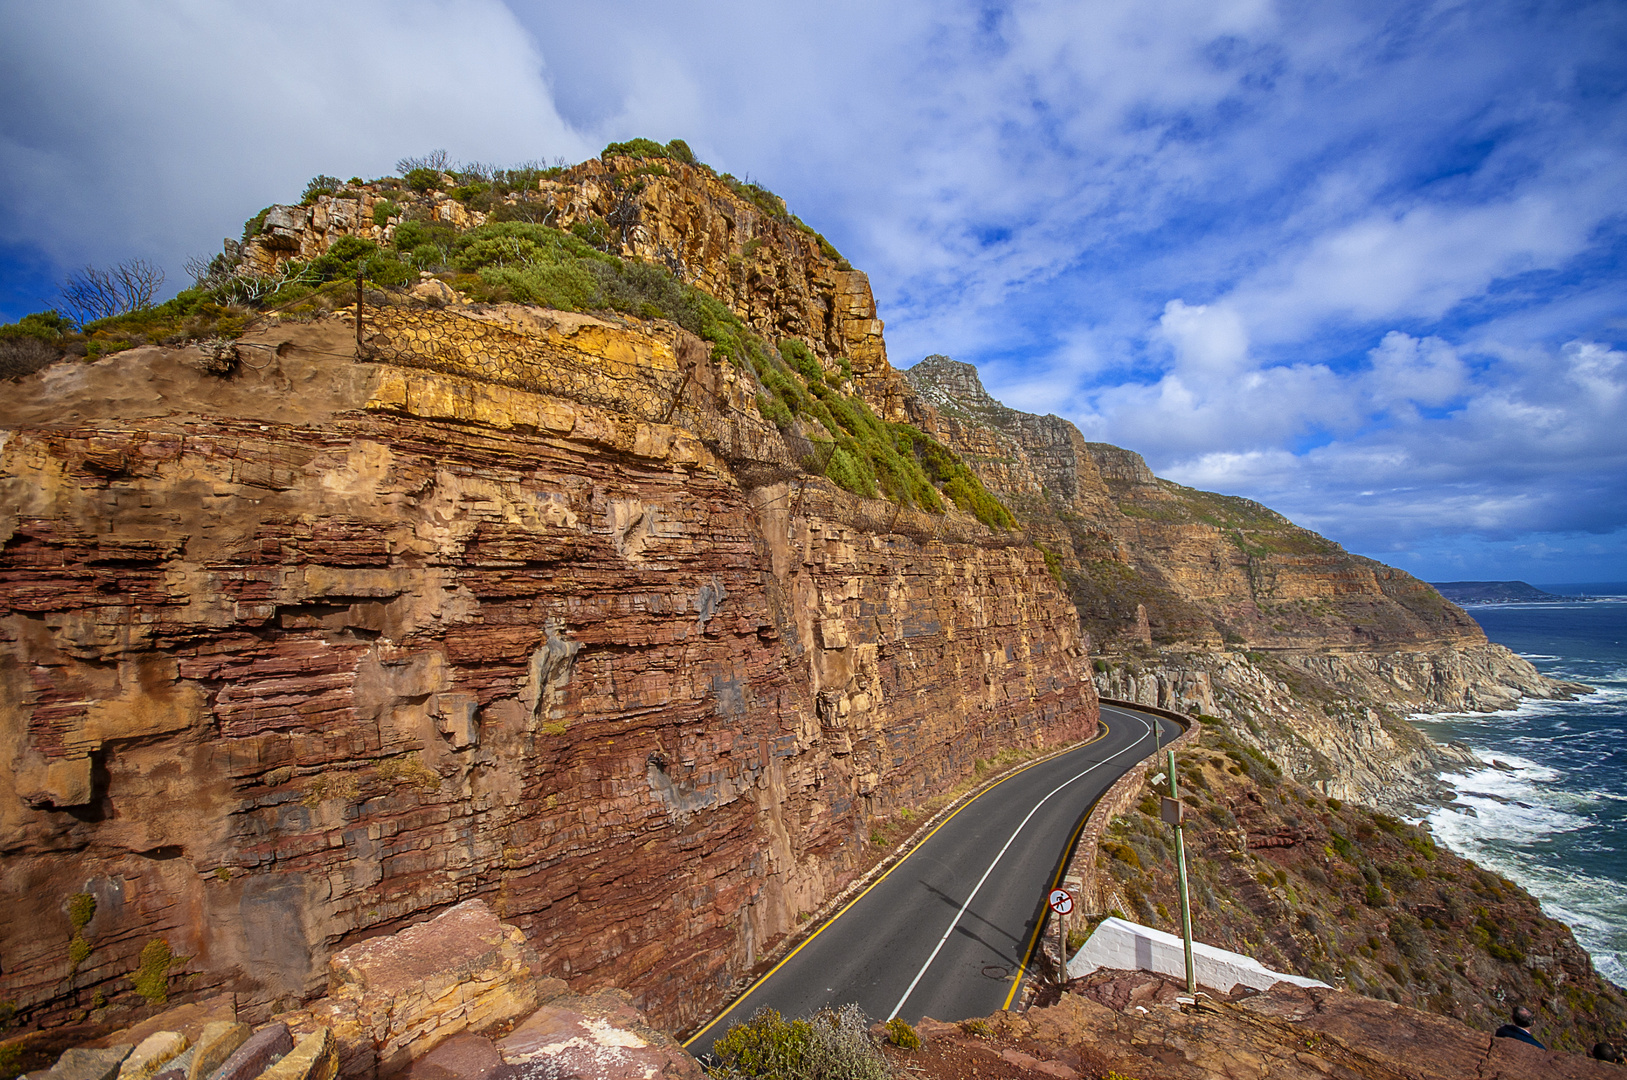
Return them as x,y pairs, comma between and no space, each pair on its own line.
1180,865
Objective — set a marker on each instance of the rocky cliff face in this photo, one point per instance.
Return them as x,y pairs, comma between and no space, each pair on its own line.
778,275
298,649
1214,604
1326,888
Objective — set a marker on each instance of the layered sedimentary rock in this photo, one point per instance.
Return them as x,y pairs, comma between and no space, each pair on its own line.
1197,569
1208,603
300,655
772,271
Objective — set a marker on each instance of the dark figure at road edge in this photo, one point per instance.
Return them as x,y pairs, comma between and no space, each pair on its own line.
1608,1052
1521,1027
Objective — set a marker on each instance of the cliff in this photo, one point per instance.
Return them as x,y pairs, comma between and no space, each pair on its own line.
734,241
548,575
1353,897
303,644
1213,604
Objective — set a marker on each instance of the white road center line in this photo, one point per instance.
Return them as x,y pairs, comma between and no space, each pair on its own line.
956,920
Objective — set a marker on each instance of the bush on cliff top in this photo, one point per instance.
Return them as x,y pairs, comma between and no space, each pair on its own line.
676,150
834,1045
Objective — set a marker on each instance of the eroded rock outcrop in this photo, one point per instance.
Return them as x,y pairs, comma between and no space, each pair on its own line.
778,275
297,656
457,997
1206,603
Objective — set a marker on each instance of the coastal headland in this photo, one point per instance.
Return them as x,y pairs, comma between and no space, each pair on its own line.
569,543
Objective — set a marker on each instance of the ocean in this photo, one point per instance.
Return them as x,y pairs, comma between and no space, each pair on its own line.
1550,810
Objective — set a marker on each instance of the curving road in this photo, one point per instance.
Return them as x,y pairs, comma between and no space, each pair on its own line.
948,930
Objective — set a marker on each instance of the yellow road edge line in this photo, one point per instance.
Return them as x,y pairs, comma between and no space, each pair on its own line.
769,974
1028,954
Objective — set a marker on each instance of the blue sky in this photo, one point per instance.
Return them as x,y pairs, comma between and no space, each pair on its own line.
1363,262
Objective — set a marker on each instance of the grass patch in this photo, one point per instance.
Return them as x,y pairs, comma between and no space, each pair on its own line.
151,977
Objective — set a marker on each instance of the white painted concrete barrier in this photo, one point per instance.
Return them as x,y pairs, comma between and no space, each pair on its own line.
1118,943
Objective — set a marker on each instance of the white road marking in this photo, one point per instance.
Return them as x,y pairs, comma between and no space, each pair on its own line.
956,921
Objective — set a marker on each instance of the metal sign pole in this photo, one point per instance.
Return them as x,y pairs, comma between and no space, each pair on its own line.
1180,864
1061,902
1062,949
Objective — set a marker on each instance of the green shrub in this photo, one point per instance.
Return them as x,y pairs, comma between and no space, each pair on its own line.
678,150
318,186
942,466
422,179
81,909
845,470
827,249
834,1045
350,254
1053,564
901,1035
637,148
45,326
384,211
1124,853
78,952
496,251
592,231
800,357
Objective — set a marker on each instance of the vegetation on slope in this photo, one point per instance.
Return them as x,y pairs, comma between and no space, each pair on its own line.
518,256
1353,897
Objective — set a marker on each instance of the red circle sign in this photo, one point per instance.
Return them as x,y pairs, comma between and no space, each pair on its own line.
1061,902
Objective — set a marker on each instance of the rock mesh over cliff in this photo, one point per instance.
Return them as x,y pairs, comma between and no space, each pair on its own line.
526,606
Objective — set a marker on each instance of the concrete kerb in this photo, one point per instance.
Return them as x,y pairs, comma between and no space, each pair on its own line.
1114,801
1124,794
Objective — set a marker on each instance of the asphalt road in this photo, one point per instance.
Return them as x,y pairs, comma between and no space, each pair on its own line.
947,931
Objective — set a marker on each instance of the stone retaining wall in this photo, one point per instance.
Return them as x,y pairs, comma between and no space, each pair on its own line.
1098,896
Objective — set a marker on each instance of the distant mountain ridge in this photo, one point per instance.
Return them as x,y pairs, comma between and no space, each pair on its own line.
1214,604
1493,592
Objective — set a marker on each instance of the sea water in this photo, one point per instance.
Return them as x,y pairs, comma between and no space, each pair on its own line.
1549,810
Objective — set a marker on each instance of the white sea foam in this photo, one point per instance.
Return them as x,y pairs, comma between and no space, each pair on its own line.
1594,908
1550,815
1498,811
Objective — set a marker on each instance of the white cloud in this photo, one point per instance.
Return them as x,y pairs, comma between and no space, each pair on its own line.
1420,262
1538,445
1210,341
154,129
1317,250
1407,369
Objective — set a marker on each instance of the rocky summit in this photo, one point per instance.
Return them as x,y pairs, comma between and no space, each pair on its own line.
564,543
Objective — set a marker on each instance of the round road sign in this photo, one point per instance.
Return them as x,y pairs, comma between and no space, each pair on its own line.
1061,902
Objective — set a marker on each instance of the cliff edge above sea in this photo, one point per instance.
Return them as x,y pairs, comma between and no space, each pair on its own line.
1213,604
